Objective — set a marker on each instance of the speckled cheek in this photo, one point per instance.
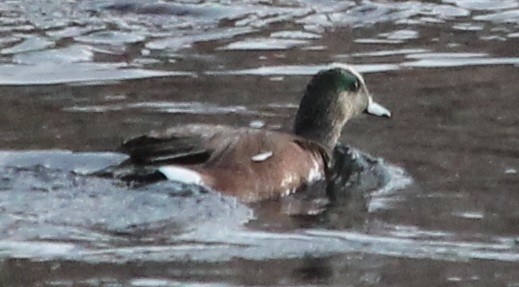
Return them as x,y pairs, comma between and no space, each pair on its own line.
345,106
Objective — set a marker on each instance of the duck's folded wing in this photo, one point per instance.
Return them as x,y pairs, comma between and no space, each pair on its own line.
167,147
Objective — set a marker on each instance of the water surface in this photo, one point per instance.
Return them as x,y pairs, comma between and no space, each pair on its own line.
78,77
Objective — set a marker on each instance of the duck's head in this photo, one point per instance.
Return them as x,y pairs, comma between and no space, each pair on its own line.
332,97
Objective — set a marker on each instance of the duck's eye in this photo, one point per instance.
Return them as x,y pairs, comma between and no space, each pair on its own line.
355,86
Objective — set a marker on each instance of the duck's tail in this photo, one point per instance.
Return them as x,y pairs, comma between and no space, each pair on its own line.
128,171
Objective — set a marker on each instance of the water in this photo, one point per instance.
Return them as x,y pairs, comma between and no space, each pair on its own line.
78,77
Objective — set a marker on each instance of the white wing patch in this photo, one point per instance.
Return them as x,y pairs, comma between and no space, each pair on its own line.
180,174
262,156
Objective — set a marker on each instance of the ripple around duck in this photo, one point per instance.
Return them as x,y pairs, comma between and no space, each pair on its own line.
55,213
51,211
45,198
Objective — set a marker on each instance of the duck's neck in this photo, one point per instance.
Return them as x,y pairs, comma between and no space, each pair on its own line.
322,113
316,124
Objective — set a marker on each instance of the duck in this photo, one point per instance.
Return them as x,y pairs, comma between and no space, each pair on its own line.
254,164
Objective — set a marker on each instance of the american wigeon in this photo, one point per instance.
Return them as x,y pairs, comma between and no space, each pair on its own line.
256,164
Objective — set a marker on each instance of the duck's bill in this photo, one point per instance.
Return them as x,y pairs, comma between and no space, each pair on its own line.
377,109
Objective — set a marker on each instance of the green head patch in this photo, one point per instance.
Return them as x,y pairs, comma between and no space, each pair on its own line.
338,80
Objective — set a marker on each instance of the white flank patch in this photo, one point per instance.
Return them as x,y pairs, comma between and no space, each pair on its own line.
288,191
262,156
180,174
316,173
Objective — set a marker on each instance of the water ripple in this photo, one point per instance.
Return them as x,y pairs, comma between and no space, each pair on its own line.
52,211
85,73
200,108
113,28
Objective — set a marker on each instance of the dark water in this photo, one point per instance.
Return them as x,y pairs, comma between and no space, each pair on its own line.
77,77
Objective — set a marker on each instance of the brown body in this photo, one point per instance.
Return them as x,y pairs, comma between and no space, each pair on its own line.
251,164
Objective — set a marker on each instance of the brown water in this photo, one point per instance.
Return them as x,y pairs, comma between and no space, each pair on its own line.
83,75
